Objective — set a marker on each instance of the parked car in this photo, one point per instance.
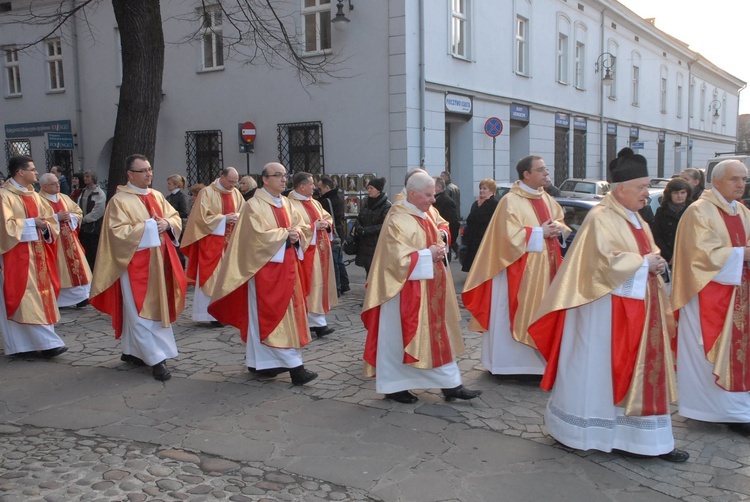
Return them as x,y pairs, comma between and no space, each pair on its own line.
744,157
661,182
584,188
502,189
575,211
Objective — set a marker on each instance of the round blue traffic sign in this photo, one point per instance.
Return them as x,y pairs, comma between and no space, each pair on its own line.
493,127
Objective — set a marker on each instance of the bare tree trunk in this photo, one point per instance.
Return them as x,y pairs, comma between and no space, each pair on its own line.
142,40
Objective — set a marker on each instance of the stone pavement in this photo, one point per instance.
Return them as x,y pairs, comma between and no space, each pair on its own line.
86,426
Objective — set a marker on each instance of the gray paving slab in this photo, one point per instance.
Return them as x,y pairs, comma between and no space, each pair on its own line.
87,426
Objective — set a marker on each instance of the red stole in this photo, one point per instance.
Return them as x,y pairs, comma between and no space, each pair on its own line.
628,318
16,270
210,248
411,299
714,300
73,257
323,246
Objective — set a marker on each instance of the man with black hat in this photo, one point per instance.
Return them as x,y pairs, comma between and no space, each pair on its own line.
605,329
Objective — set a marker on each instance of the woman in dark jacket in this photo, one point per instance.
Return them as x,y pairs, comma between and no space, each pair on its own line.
177,198
478,220
664,227
370,220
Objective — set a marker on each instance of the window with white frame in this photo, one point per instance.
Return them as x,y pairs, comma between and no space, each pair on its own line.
636,81
316,17
213,39
580,61
562,58
12,72
691,97
611,60
522,45
460,28
724,109
663,90
55,65
679,95
702,104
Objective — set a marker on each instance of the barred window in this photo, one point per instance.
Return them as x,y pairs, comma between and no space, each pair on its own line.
301,147
204,155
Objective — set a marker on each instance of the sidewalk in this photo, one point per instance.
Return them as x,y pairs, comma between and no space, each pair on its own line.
86,426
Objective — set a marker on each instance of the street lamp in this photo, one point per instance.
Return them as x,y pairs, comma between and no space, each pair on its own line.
340,21
605,62
715,104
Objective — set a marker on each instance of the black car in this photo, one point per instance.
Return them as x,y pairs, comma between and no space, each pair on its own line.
575,211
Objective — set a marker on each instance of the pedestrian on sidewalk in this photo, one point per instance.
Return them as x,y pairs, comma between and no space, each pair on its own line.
410,308
333,201
257,288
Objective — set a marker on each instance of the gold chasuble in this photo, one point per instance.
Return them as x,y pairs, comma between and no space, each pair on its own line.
706,234
72,266
318,279
607,251
203,249
29,268
261,230
156,276
504,248
429,311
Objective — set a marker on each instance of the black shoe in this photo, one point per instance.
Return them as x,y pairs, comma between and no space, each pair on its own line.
160,372
217,324
322,330
301,376
82,304
460,392
404,396
270,372
675,455
739,428
50,353
128,358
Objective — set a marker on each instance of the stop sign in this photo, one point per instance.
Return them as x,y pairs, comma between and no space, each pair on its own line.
247,132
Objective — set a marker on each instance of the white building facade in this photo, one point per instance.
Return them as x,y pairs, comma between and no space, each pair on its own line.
420,79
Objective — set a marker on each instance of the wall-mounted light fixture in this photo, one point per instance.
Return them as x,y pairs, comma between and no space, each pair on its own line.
340,20
715,105
605,62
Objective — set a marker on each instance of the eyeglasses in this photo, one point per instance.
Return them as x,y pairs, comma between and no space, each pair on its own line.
58,184
540,170
141,171
277,175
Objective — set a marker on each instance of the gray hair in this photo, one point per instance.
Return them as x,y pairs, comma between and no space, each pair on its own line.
47,178
419,181
718,172
440,183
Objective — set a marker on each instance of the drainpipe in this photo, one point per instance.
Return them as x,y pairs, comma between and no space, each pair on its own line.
77,88
422,86
602,127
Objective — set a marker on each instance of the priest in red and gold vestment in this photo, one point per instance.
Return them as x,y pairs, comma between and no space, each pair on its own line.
28,278
711,291
138,278
518,258
605,328
72,267
207,234
410,308
318,274
257,287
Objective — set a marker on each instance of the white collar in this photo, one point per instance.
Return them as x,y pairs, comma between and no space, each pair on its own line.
52,196
732,204
299,195
175,191
17,185
143,191
420,213
276,200
528,188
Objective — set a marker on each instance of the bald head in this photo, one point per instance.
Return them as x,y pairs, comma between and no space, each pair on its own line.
229,178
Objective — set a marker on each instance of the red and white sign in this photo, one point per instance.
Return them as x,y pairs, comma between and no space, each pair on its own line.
248,132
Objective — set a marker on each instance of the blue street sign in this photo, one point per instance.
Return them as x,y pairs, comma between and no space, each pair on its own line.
637,145
59,141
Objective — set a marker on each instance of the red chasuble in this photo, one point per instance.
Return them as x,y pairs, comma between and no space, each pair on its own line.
73,257
323,246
